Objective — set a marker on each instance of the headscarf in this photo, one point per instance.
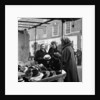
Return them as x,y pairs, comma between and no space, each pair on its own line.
66,42
52,43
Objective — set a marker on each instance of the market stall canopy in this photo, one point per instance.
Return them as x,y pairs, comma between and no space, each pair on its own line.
28,23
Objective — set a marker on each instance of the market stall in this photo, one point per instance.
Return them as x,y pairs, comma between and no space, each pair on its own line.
51,70
48,71
57,78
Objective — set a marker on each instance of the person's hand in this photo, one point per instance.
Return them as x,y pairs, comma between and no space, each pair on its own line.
41,65
44,57
57,53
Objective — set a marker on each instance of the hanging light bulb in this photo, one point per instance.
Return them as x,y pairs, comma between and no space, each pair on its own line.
55,23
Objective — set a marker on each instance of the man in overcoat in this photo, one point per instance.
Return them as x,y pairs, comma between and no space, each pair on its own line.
68,61
40,54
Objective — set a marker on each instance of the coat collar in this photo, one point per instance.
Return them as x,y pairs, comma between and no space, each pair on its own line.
66,45
42,50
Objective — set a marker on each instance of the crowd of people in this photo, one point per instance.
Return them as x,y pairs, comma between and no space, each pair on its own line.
64,59
53,62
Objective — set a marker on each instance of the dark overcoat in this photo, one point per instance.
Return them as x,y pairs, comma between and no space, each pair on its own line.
52,51
55,61
39,56
69,63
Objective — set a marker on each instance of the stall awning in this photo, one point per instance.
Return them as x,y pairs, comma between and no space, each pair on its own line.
28,23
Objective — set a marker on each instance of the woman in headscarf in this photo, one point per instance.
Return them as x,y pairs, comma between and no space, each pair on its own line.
55,54
53,49
68,61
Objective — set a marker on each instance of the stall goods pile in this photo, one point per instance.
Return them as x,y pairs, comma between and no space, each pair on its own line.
51,67
35,72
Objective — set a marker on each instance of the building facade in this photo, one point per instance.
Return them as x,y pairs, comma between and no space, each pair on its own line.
73,30
53,31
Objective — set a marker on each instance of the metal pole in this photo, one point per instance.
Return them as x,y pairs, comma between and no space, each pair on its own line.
62,28
61,44
35,42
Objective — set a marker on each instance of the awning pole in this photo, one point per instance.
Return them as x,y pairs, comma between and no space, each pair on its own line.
62,28
35,42
62,38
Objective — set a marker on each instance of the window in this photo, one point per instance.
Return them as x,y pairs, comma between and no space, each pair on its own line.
67,28
45,32
42,32
55,29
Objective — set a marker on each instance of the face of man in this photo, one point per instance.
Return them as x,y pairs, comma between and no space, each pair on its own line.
42,46
54,46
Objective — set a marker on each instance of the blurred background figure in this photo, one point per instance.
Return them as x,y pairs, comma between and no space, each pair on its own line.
79,57
68,61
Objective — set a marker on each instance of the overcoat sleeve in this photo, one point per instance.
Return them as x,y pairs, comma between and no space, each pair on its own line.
37,56
65,56
50,51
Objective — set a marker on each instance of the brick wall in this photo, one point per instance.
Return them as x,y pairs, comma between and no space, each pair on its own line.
47,33
76,25
75,30
44,33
